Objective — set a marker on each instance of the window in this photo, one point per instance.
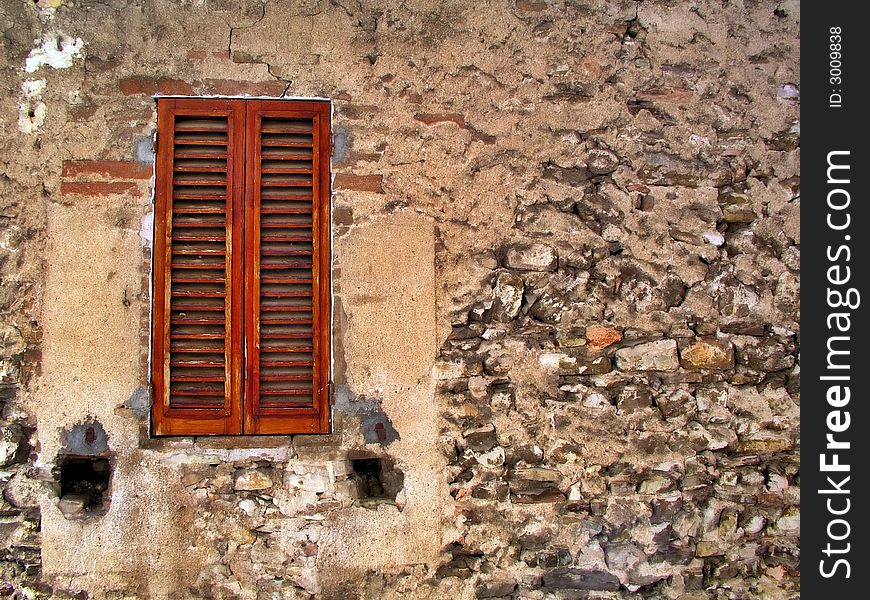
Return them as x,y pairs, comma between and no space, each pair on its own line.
240,330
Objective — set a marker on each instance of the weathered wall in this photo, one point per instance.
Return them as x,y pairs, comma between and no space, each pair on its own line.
566,247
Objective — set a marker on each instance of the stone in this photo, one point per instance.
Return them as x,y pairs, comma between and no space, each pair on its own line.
571,338
569,578
601,337
497,490
11,340
546,495
787,295
10,442
602,162
706,549
73,505
535,474
676,403
623,556
633,398
535,485
595,400
455,369
670,170
252,480
548,308
242,536
507,297
495,588
315,483
531,257
764,446
665,508
656,484
660,355
588,365
491,459
481,440
737,208
767,356
713,354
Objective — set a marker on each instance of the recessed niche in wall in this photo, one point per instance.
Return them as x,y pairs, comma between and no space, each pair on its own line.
378,480
84,481
84,470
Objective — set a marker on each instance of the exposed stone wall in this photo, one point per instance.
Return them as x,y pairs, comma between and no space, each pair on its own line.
566,275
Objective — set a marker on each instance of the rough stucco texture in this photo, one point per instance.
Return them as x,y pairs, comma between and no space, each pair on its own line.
566,276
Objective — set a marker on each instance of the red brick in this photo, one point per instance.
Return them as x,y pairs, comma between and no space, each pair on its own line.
133,86
432,118
174,87
137,85
360,183
228,87
98,188
82,113
117,169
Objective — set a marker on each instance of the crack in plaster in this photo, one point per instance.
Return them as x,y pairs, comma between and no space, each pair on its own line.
289,82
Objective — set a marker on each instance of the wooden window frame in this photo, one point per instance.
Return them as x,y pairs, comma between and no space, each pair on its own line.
241,413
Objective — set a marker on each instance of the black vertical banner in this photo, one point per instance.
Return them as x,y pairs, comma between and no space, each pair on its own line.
835,253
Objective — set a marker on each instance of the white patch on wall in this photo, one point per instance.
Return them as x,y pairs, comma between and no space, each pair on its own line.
146,229
31,109
714,237
57,51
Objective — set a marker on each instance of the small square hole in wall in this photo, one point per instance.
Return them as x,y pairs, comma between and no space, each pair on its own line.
378,480
84,481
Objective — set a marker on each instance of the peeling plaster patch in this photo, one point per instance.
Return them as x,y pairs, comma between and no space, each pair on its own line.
57,51
377,428
31,109
340,144
145,150
146,229
87,438
139,402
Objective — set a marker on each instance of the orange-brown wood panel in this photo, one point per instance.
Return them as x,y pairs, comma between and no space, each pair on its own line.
197,312
287,269
241,314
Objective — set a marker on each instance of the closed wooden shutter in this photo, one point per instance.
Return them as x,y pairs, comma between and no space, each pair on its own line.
287,274
241,268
